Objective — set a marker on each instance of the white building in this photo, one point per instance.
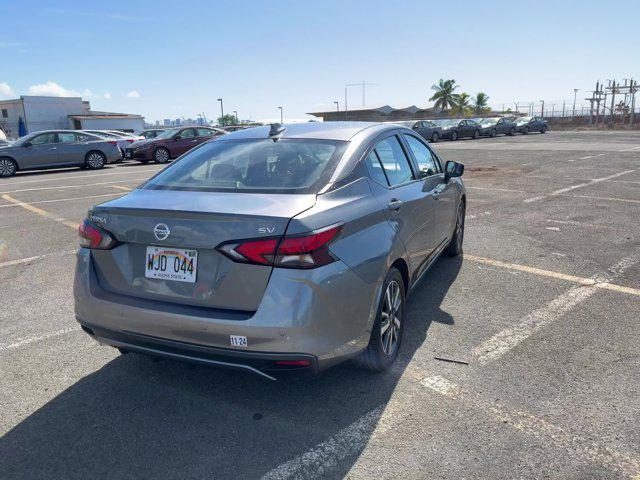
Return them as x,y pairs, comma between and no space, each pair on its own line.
53,113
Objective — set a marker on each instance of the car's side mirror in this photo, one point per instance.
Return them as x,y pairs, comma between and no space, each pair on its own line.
177,137
27,144
453,169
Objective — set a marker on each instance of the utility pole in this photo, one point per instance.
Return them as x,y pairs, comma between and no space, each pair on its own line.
235,112
563,105
613,100
553,109
281,116
575,92
363,84
221,112
542,111
632,91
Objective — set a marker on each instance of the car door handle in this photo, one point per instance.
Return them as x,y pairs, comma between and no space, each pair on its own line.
395,204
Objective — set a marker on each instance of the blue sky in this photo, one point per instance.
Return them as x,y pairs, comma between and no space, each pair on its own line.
170,59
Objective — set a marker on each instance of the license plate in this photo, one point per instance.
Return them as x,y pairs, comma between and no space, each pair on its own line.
168,263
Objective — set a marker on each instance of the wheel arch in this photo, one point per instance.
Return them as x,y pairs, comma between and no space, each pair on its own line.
401,265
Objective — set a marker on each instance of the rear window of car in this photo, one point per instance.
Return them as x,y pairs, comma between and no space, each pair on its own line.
253,165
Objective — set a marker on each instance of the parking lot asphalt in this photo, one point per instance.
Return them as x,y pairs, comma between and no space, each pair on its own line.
520,360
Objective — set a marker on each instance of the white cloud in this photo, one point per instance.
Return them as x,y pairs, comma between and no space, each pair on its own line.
107,96
52,89
133,94
5,90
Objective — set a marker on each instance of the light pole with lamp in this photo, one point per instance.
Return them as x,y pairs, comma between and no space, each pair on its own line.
235,112
575,92
221,111
281,116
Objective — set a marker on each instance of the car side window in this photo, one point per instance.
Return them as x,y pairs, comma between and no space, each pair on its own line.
66,137
375,168
424,158
43,139
394,161
188,133
204,132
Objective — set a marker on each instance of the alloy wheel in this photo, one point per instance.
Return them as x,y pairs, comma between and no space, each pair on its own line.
95,160
7,167
161,155
390,318
459,233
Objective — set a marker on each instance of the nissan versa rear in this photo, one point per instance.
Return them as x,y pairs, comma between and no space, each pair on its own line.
272,249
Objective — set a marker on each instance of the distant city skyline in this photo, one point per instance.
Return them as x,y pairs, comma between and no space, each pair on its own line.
167,62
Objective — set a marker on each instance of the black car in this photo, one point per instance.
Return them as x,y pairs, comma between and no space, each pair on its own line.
426,128
525,125
494,126
455,129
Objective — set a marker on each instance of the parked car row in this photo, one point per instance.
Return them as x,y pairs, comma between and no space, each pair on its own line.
454,129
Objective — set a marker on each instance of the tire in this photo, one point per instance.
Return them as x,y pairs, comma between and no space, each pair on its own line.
476,134
8,167
143,161
494,133
525,131
455,246
512,132
454,136
379,356
95,160
543,129
161,155
434,137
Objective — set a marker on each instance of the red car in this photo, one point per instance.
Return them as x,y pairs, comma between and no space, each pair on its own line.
170,144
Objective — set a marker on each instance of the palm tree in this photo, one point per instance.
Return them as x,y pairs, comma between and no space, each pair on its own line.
461,104
480,103
444,96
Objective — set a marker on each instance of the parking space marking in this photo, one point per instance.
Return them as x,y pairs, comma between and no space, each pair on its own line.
68,199
629,149
509,338
72,177
39,211
495,189
22,261
120,187
61,187
37,338
613,199
581,185
582,448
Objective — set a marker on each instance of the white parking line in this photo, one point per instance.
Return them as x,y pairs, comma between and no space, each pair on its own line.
509,338
584,449
495,189
61,187
22,261
581,185
37,338
73,177
65,199
613,199
629,149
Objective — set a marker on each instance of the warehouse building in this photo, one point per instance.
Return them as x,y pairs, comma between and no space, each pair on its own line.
381,114
29,114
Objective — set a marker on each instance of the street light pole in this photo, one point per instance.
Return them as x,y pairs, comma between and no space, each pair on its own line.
337,110
221,111
235,112
281,115
575,92
542,111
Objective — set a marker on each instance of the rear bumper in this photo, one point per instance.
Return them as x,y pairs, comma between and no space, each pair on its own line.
266,365
323,314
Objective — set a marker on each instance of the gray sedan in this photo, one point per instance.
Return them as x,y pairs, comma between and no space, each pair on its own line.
56,149
272,249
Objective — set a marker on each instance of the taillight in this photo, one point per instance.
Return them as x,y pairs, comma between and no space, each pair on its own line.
306,251
112,142
130,141
92,236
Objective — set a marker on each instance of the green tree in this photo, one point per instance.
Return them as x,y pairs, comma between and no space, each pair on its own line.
480,103
444,97
461,104
227,119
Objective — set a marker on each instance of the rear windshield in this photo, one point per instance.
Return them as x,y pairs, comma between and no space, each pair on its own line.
254,165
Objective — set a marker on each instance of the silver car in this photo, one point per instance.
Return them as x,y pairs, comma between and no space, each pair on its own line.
272,249
55,149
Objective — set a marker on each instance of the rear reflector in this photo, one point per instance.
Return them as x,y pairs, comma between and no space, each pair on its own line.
305,251
293,363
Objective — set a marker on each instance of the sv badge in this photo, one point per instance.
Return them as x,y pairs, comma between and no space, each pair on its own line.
267,229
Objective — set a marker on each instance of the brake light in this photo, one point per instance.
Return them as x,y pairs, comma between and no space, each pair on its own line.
112,142
306,251
130,140
92,236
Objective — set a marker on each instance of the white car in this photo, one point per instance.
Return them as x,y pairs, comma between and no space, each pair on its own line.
123,140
